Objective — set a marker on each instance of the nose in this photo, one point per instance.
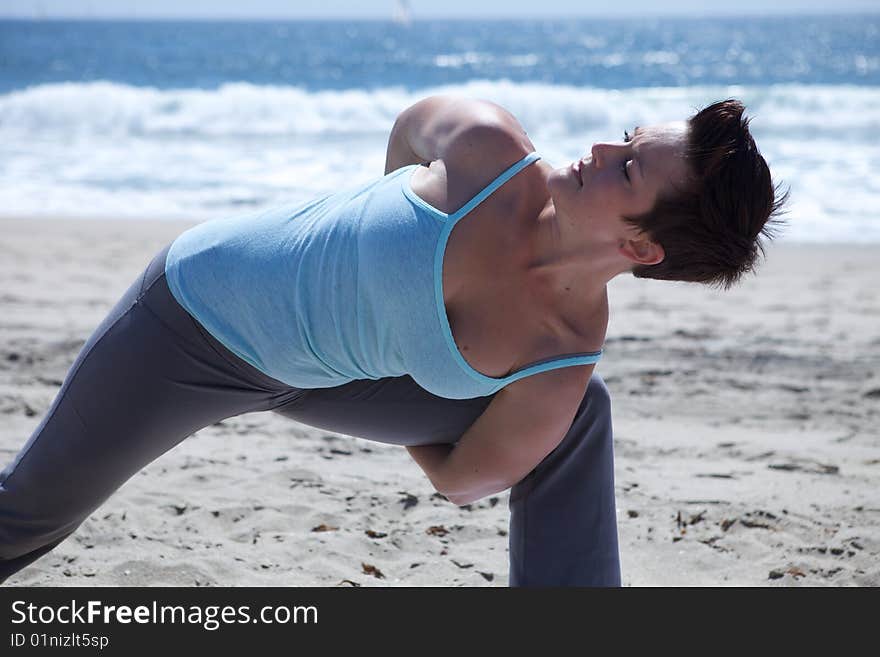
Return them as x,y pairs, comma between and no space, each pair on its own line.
601,151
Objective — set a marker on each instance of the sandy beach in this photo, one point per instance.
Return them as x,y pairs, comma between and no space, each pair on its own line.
746,440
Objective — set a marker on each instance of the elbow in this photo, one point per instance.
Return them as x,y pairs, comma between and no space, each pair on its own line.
459,500
463,498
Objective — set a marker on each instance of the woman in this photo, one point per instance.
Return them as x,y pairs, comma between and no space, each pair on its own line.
365,313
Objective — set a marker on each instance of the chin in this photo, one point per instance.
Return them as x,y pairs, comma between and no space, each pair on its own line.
562,190
559,183
559,176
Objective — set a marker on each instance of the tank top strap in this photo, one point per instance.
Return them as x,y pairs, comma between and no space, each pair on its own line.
569,360
502,178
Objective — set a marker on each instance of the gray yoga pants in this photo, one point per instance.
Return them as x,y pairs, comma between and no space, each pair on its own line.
150,375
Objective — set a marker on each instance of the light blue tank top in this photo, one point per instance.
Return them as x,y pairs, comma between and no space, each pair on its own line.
345,287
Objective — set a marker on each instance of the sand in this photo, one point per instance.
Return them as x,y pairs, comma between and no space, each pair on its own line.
746,440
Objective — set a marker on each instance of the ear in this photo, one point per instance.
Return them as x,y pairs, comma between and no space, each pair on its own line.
642,252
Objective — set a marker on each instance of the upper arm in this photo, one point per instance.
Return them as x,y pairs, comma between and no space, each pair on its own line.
523,423
439,126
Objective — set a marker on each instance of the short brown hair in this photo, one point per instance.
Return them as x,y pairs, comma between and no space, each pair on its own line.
711,230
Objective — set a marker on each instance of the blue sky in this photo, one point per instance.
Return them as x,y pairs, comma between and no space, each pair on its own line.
382,9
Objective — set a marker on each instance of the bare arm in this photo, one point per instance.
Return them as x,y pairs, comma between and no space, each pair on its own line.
430,458
520,427
426,130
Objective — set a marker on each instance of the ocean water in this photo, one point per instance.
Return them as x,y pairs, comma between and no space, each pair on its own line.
198,120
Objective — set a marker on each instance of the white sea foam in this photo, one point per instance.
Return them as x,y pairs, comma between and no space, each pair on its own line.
106,149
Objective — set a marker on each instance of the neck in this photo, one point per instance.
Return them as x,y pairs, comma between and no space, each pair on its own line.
572,270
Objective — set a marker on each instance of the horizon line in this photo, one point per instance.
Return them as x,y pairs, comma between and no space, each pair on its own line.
452,17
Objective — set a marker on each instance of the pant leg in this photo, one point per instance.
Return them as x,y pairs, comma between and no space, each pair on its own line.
396,411
148,377
563,519
563,525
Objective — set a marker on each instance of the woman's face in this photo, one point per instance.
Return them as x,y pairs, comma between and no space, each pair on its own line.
618,178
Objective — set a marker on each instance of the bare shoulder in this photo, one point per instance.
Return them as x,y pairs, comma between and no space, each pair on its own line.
439,127
486,144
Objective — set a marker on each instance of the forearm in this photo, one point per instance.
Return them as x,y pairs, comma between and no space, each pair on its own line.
434,460
431,459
